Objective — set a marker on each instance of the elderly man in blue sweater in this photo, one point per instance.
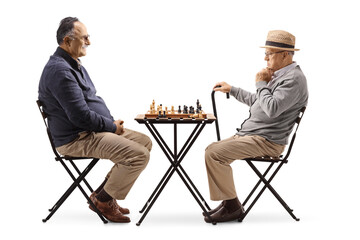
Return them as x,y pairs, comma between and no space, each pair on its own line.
81,123
281,91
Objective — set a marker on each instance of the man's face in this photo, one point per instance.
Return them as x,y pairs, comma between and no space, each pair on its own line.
274,58
79,41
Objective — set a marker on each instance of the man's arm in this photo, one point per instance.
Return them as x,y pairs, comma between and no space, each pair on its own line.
243,96
240,94
70,96
284,97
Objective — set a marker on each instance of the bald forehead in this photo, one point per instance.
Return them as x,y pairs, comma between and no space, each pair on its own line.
80,29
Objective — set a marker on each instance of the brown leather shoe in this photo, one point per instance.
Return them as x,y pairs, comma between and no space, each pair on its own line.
122,210
215,209
223,215
108,209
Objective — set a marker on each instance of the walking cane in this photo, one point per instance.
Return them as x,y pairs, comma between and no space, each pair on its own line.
215,113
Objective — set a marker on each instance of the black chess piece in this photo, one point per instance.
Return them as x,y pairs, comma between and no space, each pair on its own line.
179,111
185,109
198,106
191,111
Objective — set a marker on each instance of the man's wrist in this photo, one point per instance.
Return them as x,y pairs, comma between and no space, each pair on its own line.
260,84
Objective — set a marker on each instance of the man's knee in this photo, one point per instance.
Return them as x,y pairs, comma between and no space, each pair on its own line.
148,143
216,152
143,156
210,152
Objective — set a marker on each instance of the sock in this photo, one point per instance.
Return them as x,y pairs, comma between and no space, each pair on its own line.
232,205
101,186
103,196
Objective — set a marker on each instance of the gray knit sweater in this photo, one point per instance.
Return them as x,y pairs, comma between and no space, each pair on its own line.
275,105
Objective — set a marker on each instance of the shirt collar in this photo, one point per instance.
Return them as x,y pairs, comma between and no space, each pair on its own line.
73,63
279,73
284,70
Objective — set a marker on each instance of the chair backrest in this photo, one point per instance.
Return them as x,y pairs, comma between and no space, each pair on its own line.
297,122
44,116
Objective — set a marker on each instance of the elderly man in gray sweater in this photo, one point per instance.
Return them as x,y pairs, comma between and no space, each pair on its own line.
281,91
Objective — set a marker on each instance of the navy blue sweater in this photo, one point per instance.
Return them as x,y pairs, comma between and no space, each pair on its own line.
70,101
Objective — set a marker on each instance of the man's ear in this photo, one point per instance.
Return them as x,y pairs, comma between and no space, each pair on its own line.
67,41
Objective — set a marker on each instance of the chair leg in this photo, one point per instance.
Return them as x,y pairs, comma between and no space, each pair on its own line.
257,184
75,184
252,192
267,185
67,191
78,171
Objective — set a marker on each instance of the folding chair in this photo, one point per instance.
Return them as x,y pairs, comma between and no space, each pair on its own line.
76,180
267,159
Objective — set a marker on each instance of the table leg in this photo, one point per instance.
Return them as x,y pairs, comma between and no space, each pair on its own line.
175,161
156,189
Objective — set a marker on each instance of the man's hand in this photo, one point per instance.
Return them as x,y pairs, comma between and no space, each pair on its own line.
264,75
119,127
224,87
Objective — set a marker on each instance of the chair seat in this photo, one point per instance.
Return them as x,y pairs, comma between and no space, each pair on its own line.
265,159
67,157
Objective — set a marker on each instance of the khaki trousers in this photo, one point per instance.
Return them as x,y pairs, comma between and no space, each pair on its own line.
130,152
219,156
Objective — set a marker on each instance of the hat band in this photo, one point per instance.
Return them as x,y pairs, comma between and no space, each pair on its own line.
276,44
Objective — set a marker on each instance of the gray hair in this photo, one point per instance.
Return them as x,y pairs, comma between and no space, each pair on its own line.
66,28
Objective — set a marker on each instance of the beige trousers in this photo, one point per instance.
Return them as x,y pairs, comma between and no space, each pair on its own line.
219,156
130,152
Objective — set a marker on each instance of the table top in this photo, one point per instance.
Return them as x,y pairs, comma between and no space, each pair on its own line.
140,118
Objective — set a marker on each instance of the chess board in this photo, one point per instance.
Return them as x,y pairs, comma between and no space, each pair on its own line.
201,115
181,113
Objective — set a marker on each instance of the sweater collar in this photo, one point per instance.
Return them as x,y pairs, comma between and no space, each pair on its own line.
281,72
284,70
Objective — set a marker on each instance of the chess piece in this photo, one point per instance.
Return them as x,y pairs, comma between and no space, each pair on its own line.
172,110
179,110
185,109
191,111
152,107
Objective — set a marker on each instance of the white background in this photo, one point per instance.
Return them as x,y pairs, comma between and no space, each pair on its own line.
174,52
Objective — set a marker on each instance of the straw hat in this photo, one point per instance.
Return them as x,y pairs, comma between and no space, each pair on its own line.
281,40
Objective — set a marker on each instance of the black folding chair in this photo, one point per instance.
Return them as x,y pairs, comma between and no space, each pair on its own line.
78,180
267,159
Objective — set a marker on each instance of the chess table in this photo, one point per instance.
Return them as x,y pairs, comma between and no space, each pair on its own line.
175,158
